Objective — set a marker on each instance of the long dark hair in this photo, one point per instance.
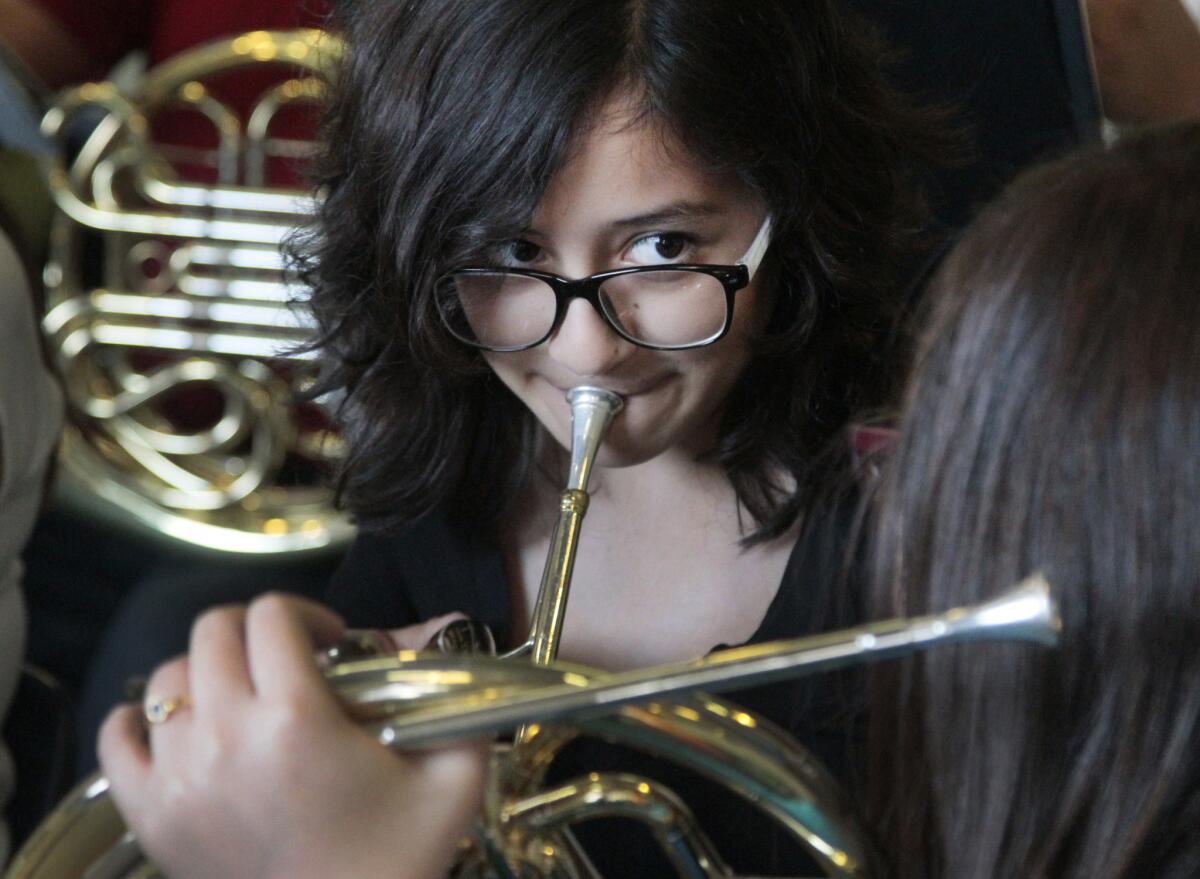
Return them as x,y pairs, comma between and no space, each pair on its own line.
449,119
1053,423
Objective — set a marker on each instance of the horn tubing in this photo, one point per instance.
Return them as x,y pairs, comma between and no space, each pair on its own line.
592,411
1026,613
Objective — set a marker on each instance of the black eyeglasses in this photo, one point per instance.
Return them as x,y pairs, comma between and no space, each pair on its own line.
666,308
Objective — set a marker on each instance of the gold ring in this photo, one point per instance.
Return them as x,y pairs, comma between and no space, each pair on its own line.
159,709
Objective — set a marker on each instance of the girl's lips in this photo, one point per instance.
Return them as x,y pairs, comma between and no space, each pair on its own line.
618,389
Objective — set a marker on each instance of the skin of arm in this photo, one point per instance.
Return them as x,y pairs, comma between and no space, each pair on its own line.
264,775
1147,59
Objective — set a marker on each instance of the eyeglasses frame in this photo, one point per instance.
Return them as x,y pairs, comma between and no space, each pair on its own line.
732,278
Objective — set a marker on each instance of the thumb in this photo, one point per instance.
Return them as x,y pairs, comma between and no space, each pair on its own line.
418,636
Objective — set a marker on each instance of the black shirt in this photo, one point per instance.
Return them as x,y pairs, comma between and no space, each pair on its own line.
433,568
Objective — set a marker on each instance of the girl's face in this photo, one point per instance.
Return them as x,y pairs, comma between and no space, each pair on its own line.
626,197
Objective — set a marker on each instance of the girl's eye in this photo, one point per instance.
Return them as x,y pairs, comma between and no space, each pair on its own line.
663,247
520,251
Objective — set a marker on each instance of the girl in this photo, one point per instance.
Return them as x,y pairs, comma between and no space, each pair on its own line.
1053,423
461,202
751,181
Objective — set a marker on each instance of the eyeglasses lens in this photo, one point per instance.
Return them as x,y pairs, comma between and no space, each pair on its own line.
497,310
666,308
661,308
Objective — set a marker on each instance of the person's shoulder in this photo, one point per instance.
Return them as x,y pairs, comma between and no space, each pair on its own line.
434,536
823,574
16,299
380,551
30,400
399,575
827,535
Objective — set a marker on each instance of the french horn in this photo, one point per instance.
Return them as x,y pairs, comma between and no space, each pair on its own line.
171,313
408,699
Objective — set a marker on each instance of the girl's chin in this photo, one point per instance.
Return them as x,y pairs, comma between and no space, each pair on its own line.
623,448
617,457
618,449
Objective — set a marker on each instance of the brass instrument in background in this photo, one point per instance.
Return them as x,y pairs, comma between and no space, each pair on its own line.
412,699
171,315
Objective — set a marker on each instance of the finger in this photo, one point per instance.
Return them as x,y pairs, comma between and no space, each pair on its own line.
220,673
418,636
282,635
457,767
124,754
457,775
168,680
168,687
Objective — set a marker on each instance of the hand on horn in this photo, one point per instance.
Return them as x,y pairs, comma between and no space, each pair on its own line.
418,635
251,768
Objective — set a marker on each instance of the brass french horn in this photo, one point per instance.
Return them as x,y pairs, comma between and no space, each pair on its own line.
412,699
169,295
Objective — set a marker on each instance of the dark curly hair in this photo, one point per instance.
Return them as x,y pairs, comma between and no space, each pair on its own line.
448,120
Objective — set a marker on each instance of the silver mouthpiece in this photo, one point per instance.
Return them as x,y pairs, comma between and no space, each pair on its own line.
591,411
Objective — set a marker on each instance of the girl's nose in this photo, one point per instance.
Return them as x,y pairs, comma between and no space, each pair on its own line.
587,345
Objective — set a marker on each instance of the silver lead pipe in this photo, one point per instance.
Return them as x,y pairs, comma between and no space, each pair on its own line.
1028,612
592,411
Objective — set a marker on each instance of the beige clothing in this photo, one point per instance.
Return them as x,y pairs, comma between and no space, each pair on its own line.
30,418
1193,8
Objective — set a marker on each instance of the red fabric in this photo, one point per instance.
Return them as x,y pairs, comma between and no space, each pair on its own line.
111,28
185,23
870,445
867,440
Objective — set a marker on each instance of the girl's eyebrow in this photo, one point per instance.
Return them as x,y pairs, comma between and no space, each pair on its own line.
675,211
678,210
